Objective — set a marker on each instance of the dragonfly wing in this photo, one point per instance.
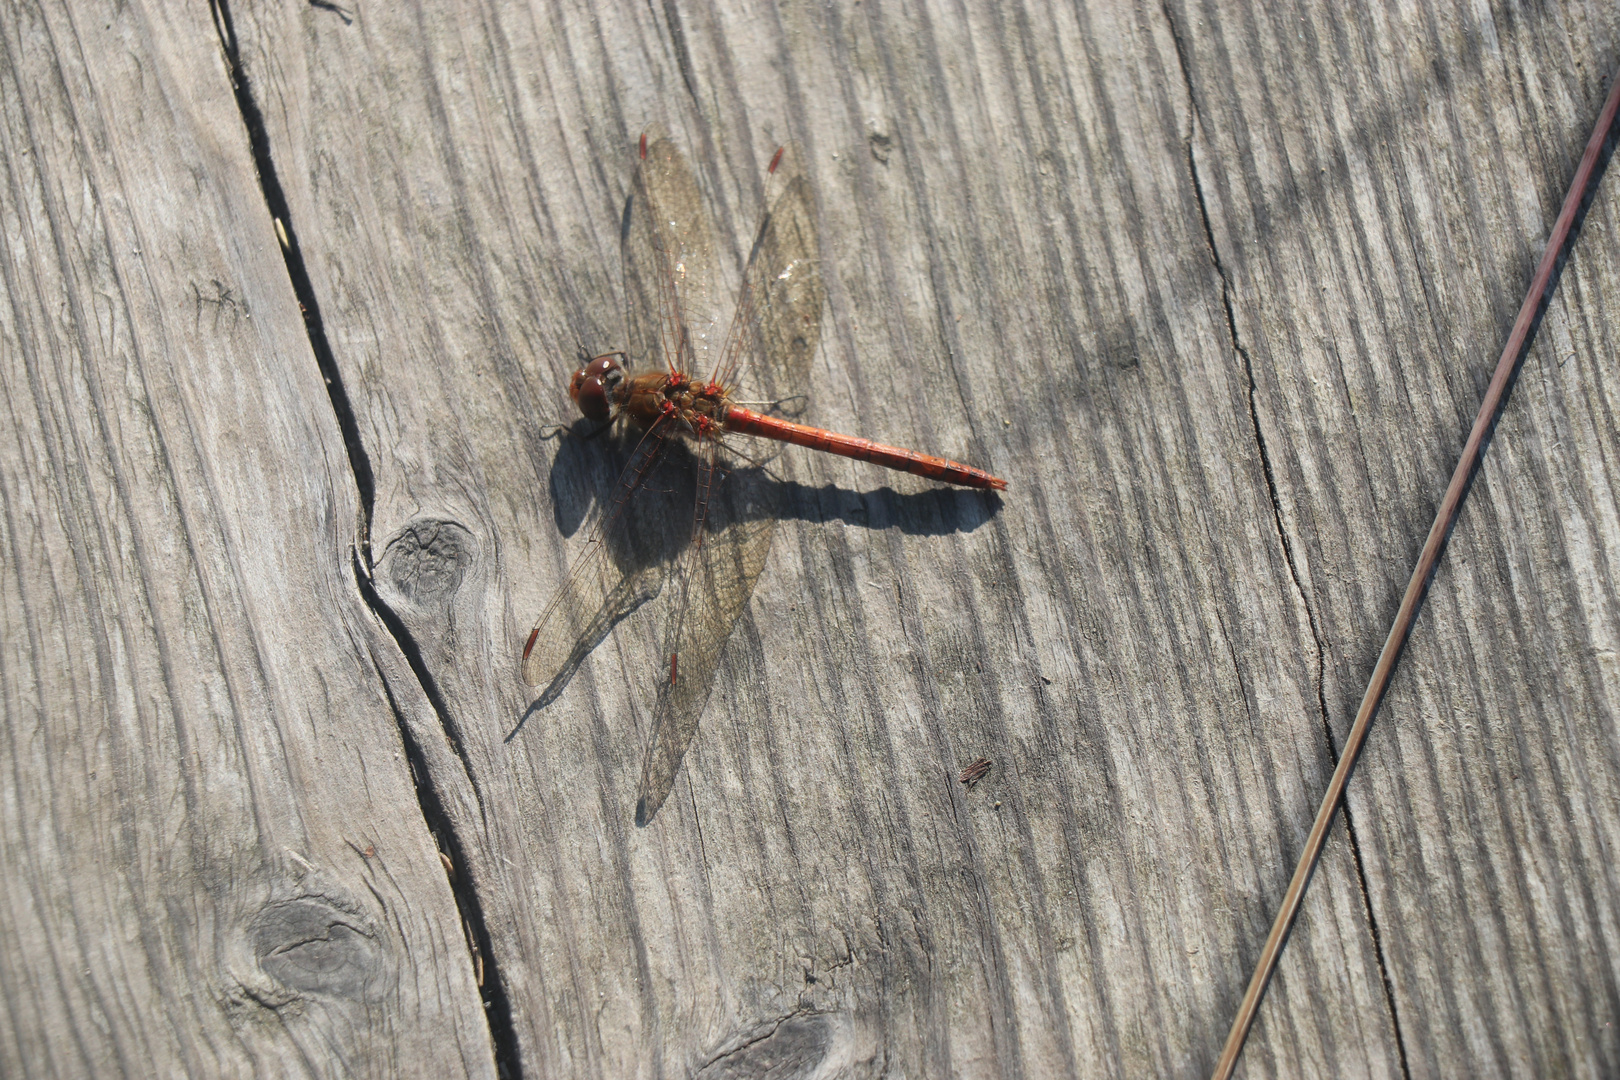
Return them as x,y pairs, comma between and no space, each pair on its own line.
580,632
774,333
712,585
670,271
777,325
599,590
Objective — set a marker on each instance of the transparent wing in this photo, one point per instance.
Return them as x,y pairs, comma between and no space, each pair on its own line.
597,593
777,325
683,688
670,271
670,286
732,526
773,336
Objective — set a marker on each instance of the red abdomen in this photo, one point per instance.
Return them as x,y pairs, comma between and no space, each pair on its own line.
749,422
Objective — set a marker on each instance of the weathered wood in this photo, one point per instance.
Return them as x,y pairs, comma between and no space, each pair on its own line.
1216,289
1015,228
215,864
1378,245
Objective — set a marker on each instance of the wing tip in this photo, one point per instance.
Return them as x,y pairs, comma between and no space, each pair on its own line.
529,676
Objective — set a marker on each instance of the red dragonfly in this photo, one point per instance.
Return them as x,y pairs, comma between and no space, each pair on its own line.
669,273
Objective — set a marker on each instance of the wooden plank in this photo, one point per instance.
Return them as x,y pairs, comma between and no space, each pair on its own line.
1105,228
1010,232
1378,236
216,864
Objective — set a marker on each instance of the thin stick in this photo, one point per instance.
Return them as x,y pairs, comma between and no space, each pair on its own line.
1517,344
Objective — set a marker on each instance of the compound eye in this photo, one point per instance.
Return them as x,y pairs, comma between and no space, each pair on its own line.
591,397
603,366
592,384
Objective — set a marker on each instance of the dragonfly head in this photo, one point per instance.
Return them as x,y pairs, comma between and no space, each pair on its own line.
593,385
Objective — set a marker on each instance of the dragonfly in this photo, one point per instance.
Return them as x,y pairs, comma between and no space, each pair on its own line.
672,284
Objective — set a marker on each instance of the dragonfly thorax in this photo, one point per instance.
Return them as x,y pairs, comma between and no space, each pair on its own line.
603,390
690,408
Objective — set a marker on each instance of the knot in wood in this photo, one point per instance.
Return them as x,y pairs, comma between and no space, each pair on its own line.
314,947
427,561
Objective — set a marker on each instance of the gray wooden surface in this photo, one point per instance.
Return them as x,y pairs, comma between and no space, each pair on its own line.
1217,289
214,864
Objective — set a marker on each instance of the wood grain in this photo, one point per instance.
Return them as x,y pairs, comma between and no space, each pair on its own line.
215,860
1478,806
1216,289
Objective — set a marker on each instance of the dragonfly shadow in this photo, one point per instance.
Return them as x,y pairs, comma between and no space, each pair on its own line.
586,466
744,507
936,512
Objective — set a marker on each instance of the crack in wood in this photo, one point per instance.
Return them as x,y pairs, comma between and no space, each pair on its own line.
1282,534
497,1007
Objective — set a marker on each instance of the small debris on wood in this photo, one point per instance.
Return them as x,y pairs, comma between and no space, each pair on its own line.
975,772
477,953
